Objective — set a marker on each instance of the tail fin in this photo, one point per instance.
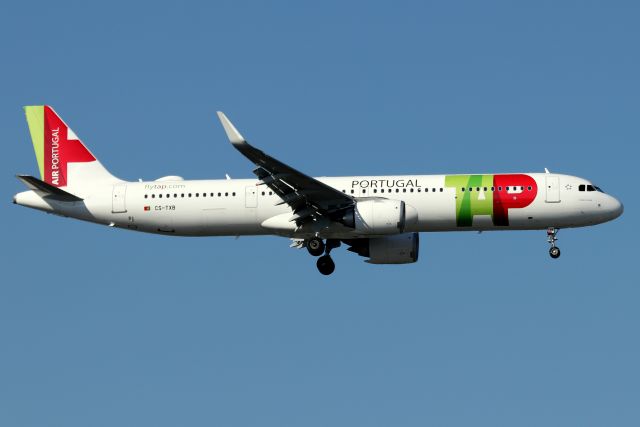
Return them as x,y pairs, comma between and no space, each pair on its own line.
63,159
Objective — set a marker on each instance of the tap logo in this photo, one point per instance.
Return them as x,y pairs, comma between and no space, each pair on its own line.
490,195
55,145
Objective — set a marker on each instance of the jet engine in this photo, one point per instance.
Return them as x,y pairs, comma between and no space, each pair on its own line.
380,216
397,249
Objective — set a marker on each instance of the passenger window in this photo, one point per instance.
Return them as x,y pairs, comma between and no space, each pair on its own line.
204,194
397,190
382,190
485,188
499,188
493,188
197,194
434,190
364,191
159,196
219,194
352,191
404,190
529,188
145,196
175,195
463,189
226,194
263,193
478,188
233,194
189,194
153,196
411,190
182,195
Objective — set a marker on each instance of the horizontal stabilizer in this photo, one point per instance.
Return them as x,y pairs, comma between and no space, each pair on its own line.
47,190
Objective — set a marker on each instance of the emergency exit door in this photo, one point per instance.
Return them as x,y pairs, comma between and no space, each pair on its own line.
251,196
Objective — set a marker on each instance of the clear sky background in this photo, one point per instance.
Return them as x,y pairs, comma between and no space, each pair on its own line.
104,327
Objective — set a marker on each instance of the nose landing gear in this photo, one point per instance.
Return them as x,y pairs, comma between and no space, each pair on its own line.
317,247
554,251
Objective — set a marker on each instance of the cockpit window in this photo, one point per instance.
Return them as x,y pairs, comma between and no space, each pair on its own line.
589,187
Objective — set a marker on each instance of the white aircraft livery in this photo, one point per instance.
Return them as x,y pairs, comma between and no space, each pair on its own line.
377,217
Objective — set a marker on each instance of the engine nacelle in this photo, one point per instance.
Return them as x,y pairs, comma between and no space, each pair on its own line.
397,249
380,216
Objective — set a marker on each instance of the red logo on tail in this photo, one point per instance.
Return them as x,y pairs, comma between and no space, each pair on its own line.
59,150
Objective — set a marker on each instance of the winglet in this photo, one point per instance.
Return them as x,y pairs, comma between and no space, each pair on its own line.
232,133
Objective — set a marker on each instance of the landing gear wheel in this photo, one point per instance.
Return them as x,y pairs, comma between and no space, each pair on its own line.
325,265
315,246
554,252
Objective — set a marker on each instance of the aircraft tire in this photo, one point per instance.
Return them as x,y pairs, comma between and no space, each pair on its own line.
315,246
554,252
325,265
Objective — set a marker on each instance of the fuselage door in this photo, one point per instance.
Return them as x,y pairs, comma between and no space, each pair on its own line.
119,198
553,189
251,196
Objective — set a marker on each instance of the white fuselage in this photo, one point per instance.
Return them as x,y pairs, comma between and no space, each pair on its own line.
234,207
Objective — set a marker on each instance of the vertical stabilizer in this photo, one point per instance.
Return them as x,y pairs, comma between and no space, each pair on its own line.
63,160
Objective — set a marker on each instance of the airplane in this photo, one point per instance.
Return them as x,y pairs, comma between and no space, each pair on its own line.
377,217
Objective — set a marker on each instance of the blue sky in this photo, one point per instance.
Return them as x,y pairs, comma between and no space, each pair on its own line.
107,327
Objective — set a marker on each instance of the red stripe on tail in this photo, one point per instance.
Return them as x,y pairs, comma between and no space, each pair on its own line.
59,151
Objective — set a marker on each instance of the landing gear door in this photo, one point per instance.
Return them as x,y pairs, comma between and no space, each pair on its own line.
553,189
251,196
119,198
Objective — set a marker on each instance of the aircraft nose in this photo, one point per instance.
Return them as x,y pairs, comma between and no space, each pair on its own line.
616,208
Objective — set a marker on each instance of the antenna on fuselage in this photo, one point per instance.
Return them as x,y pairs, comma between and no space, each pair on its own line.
546,170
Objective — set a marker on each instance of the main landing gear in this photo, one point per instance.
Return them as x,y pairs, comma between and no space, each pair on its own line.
317,247
554,251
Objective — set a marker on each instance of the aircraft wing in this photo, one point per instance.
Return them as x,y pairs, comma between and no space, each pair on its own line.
307,197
